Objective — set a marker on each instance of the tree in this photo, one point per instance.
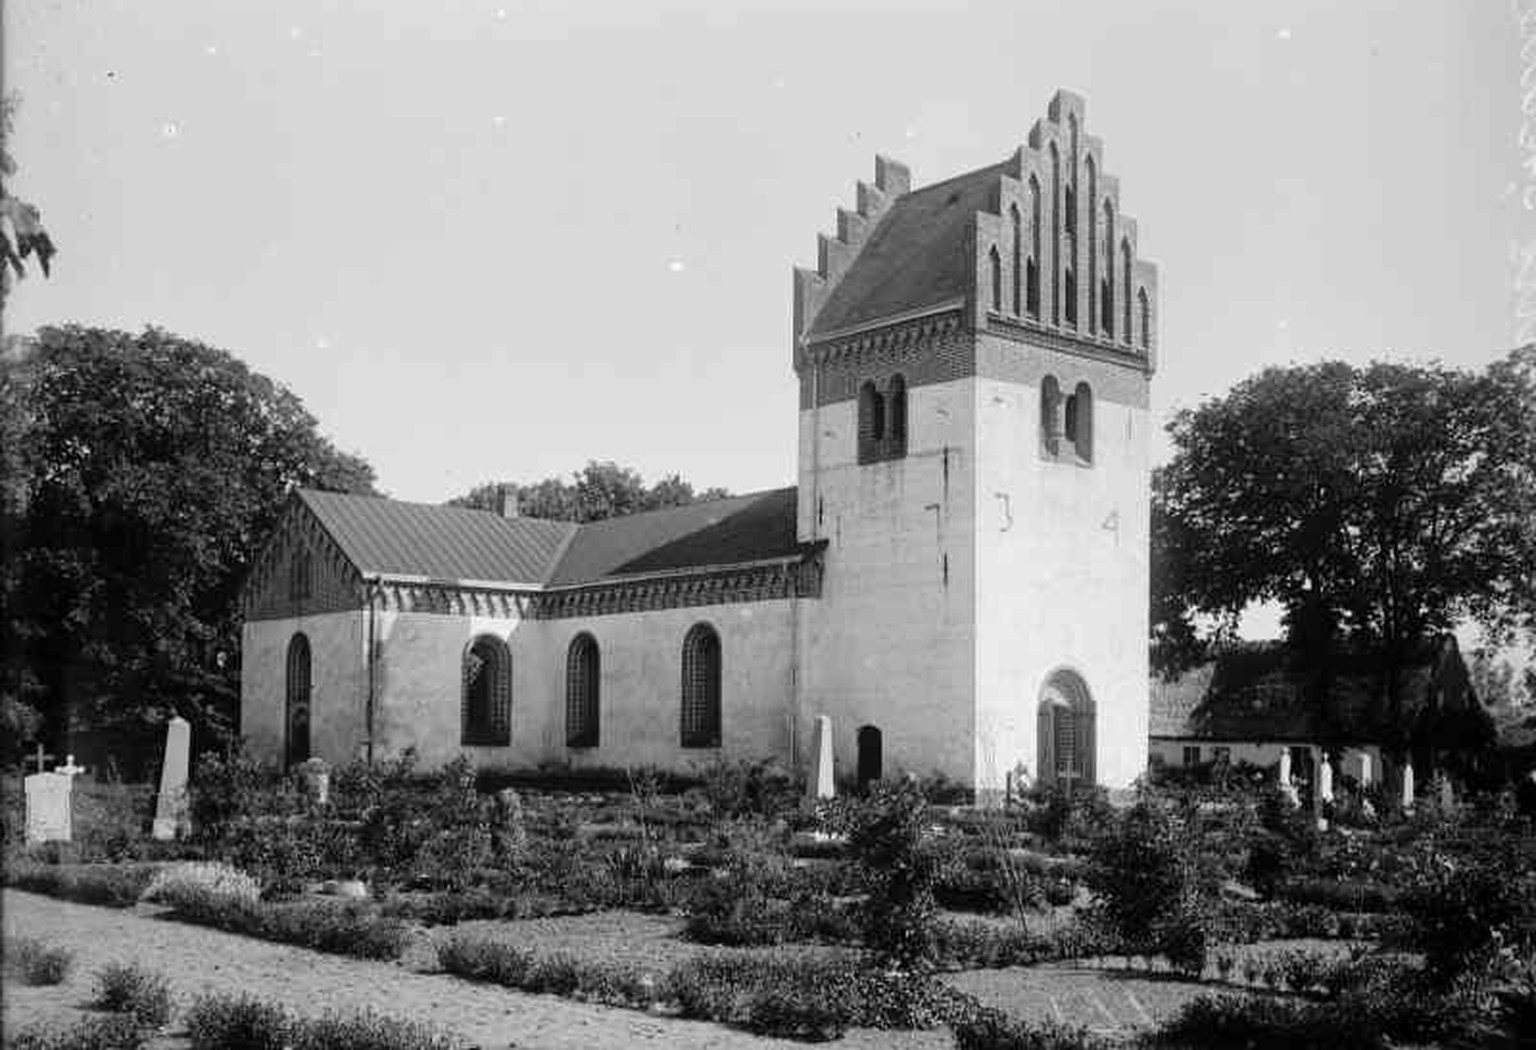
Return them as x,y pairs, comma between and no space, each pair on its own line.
1378,505
146,471
599,490
25,235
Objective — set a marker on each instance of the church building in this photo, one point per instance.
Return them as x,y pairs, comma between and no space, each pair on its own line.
959,580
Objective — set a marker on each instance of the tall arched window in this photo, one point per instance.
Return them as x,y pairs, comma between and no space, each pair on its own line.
997,279
583,672
1080,421
1055,235
701,687
898,415
1145,309
1018,258
1069,287
1050,415
486,696
1065,732
1125,289
296,715
1032,273
1107,288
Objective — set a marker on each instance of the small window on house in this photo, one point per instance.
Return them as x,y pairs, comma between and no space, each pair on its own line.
582,678
1191,754
300,575
701,687
1145,309
486,699
997,279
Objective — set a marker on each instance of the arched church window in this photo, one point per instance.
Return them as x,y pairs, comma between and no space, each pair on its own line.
1018,258
898,415
997,279
486,693
1080,421
1065,745
1125,290
582,677
701,687
1145,308
297,701
1032,269
1050,415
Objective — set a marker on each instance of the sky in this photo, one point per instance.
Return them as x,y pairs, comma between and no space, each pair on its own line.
495,239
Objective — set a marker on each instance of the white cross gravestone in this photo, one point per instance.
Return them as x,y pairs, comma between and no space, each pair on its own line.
49,806
821,784
171,805
1325,780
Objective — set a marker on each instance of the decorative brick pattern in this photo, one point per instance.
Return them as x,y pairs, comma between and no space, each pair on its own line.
334,585
710,587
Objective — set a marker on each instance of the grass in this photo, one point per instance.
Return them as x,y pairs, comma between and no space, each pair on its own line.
116,1032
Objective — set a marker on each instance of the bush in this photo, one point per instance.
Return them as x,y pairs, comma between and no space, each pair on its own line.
741,789
90,1033
126,988
37,963
605,981
1227,1022
352,929
886,833
201,883
226,1022
985,1029
1150,890
1466,900
110,885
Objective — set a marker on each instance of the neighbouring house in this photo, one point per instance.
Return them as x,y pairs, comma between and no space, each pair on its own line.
1253,701
958,580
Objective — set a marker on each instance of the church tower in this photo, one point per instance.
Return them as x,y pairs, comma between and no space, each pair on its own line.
975,358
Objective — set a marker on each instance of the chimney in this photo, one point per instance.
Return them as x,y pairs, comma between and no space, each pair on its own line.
506,500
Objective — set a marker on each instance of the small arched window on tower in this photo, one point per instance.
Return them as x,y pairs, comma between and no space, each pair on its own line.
1145,309
1071,217
1018,258
583,671
486,697
1032,269
897,441
871,422
1079,423
1125,290
1050,416
1055,235
1107,286
1069,291
997,279
701,687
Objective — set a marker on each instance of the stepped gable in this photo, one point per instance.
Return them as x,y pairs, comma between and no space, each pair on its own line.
965,244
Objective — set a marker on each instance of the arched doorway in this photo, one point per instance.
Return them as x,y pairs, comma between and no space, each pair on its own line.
871,758
1066,745
296,717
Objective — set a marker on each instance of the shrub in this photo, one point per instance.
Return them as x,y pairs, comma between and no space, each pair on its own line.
363,1031
110,885
886,834
236,1022
126,988
343,929
1150,890
985,1029
1463,902
763,788
208,882
481,959
1226,1022
37,963
90,1033
225,1022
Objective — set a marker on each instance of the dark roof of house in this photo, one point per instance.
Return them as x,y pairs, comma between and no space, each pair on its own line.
392,537
1263,691
446,543
917,256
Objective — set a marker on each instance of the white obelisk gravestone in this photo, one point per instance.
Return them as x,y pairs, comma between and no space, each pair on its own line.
821,783
171,806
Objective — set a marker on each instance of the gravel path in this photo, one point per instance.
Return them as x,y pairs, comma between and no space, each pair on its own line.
199,960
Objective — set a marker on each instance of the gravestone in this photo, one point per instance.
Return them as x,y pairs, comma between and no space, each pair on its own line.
1408,784
1365,769
171,806
1287,788
820,783
317,779
1325,780
1447,793
49,806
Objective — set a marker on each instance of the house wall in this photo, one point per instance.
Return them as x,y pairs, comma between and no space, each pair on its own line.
338,684
890,641
1061,559
1169,751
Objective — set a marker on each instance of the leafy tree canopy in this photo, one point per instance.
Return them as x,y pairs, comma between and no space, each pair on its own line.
141,474
1377,505
597,491
21,227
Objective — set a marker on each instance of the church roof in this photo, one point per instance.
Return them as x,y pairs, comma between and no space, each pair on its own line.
396,538
916,257
1260,692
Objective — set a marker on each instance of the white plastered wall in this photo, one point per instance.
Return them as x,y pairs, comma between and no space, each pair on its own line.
338,685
